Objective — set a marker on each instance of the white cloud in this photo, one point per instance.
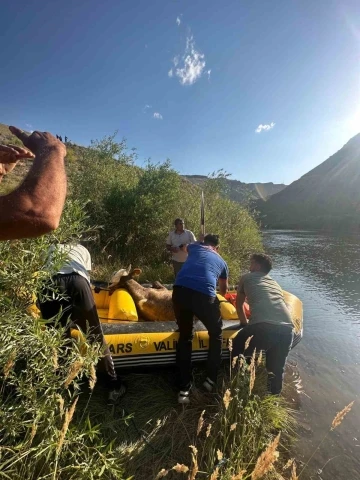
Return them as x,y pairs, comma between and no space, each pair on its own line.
191,64
208,74
265,127
170,72
178,21
146,108
29,127
158,116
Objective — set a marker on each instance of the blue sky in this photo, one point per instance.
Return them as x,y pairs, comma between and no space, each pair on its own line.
189,80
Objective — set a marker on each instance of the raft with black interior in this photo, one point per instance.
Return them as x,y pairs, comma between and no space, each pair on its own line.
134,342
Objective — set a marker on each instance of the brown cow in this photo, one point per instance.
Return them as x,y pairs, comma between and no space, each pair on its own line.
153,304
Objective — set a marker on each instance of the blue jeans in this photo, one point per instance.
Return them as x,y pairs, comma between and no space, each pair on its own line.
275,340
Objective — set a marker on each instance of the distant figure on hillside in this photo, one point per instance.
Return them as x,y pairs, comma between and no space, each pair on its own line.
66,139
176,243
35,207
72,281
60,138
270,322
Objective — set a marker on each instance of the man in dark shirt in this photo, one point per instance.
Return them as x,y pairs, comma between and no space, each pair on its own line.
194,293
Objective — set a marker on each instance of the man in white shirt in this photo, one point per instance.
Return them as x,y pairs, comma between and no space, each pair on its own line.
76,301
176,243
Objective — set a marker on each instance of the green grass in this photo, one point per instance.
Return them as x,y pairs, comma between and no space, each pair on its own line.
152,432
42,377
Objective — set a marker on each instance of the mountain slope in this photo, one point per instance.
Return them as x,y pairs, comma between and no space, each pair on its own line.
327,197
236,190
239,191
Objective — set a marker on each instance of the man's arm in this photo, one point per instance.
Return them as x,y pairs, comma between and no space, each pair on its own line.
223,286
240,300
223,280
192,237
35,207
169,246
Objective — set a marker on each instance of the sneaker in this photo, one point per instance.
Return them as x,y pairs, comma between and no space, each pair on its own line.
115,394
184,397
209,385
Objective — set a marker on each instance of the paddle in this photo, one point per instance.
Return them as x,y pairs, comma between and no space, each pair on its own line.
202,215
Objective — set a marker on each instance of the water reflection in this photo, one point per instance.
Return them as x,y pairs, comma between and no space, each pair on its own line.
323,270
327,263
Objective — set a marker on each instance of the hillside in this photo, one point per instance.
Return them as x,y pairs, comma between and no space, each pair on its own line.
240,191
327,197
235,190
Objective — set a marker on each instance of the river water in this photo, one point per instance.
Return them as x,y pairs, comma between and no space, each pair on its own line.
323,270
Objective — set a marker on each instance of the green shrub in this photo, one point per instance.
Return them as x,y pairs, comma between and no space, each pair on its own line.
40,375
136,209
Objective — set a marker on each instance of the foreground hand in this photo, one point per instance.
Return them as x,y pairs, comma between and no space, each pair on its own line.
13,153
9,156
38,141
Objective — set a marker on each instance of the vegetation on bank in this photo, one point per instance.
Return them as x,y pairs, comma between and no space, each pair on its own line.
134,208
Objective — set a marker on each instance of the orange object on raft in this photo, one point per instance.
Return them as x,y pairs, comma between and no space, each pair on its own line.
231,297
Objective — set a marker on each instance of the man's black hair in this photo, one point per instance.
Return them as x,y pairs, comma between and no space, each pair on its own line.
178,220
211,239
263,260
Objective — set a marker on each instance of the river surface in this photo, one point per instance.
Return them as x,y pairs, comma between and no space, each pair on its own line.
323,270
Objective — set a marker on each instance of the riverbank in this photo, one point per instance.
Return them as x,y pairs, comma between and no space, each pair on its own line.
56,424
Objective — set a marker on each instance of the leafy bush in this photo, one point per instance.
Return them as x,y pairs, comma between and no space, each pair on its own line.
40,374
136,209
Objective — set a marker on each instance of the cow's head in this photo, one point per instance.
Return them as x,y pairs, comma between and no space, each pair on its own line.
120,278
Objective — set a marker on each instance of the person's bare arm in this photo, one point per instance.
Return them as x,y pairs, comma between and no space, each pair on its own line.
171,248
35,207
240,300
223,286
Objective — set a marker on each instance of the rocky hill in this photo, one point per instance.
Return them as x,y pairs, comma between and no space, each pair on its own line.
240,191
327,197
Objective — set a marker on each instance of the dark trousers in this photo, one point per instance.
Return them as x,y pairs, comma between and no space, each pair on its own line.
275,340
177,266
78,305
187,303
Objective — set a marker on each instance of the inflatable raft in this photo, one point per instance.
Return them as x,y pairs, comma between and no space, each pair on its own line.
134,342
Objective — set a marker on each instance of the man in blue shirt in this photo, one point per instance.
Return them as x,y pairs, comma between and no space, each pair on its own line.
194,293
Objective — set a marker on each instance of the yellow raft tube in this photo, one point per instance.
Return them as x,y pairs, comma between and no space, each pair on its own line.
134,342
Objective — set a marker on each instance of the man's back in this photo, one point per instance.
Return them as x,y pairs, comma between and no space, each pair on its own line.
265,298
202,269
78,259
